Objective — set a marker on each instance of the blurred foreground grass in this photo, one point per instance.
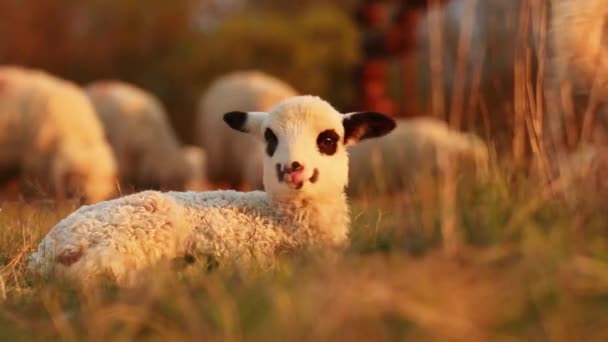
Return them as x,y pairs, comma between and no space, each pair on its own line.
529,264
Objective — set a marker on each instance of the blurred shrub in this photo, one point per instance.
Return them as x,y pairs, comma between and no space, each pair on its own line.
165,48
315,50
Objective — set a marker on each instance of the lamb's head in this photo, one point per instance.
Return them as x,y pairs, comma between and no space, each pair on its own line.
305,144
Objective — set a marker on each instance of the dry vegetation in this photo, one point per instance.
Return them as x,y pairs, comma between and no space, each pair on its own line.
511,257
523,263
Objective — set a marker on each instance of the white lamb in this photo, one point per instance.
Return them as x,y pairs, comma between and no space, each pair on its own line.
149,154
305,173
235,159
52,137
413,150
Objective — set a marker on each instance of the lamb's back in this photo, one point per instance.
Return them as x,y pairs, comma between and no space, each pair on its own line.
234,225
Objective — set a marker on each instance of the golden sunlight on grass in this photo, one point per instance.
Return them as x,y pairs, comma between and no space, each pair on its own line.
523,268
518,254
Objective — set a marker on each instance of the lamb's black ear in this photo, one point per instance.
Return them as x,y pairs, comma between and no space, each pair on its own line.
364,125
248,122
236,120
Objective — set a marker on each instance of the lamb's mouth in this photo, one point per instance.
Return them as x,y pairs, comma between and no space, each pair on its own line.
297,186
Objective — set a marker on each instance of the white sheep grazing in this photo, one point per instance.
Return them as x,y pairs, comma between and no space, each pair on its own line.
51,135
149,153
579,71
305,173
196,161
233,158
414,149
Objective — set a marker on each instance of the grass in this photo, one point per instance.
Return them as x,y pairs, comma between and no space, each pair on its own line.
506,258
527,266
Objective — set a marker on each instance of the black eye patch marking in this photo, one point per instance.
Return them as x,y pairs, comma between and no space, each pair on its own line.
271,141
327,142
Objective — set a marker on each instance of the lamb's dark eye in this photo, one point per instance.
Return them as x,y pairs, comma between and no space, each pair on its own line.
327,142
271,141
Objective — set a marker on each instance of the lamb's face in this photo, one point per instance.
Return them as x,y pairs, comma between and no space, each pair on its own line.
305,144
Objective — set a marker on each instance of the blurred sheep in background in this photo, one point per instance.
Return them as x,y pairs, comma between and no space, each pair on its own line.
466,55
545,61
196,167
530,74
235,159
148,152
578,77
415,149
51,138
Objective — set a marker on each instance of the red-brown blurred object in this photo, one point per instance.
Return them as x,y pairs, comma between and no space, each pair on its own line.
388,31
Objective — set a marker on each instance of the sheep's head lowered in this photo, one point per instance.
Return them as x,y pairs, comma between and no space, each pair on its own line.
305,144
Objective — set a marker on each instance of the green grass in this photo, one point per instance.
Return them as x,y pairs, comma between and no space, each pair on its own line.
528,266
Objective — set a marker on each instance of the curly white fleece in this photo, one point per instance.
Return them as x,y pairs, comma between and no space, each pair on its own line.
125,235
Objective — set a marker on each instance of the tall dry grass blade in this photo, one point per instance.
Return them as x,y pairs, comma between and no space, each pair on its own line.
519,89
588,123
534,97
485,115
539,10
436,58
567,100
475,100
2,288
462,59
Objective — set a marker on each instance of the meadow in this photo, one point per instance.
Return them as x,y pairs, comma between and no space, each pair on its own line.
501,258
508,257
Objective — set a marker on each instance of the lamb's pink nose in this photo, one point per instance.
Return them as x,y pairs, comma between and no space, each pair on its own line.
294,173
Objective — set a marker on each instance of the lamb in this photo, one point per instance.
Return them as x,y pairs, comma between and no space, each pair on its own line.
413,150
51,136
304,205
234,159
149,153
